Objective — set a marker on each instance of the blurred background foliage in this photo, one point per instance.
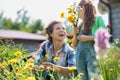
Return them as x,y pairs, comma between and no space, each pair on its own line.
22,23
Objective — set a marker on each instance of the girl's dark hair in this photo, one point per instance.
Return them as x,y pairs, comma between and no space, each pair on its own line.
89,15
49,29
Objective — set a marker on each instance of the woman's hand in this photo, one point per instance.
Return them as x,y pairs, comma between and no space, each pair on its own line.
75,30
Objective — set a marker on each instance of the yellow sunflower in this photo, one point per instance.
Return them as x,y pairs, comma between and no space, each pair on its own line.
71,18
62,14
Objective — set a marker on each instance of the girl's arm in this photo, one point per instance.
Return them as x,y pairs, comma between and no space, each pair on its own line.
85,38
100,22
74,41
76,32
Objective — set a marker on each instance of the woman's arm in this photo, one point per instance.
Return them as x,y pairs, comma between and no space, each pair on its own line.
60,69
66,70
69,68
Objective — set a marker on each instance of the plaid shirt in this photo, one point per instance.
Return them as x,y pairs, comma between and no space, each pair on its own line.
66,54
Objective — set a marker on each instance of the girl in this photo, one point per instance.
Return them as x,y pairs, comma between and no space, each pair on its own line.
83,39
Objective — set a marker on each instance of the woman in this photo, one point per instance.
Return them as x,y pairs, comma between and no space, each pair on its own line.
56,47
83,40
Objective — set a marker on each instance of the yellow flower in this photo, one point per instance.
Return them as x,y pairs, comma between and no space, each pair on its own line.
29,66
18,53
6,71
70,10
19,73
73,13
30,78
71,18
12,61
57,69
56,58
4,63
30,61
62,14
46,56
72,68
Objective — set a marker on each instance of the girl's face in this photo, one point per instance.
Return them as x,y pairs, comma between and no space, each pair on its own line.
59,32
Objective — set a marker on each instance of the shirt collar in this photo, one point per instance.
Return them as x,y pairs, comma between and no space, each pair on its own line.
64,47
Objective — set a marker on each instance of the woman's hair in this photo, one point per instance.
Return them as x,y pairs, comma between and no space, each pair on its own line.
89,15
49,29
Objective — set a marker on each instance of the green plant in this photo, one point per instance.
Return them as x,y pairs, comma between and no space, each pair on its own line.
110,66
17,64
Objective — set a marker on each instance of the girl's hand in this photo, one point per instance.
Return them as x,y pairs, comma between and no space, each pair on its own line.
76,30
